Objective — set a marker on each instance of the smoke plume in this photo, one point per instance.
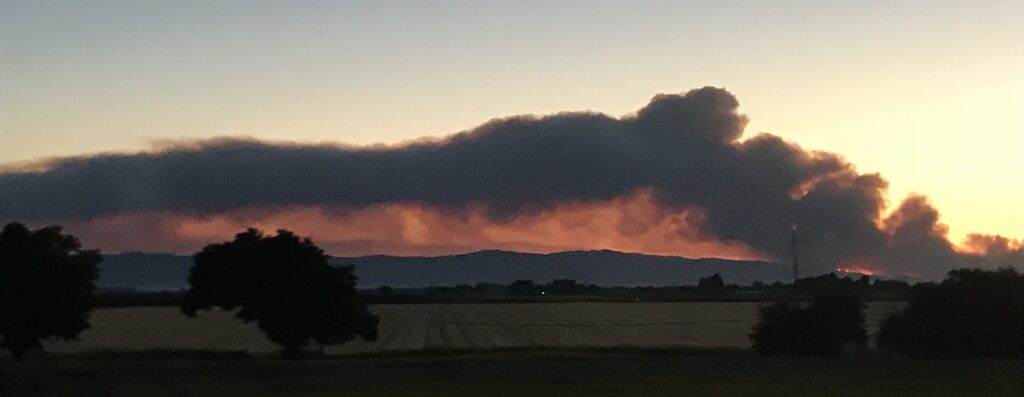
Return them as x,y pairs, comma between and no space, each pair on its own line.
681,154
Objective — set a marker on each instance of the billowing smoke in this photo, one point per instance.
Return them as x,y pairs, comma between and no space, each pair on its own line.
682,152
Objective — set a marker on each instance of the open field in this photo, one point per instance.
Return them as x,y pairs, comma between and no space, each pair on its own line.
561,372
455,326
564,349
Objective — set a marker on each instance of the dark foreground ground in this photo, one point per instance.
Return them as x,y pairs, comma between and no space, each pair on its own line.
577,372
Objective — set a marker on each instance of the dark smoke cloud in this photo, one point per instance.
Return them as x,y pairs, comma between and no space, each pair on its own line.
684,148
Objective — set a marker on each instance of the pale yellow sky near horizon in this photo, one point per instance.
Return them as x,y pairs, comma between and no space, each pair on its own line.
929,94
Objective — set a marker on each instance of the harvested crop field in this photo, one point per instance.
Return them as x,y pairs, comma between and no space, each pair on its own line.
455,326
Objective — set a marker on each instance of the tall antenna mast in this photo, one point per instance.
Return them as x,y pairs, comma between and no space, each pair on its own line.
793,252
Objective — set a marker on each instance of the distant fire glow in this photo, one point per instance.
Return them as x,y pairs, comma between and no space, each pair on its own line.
855,269
630,224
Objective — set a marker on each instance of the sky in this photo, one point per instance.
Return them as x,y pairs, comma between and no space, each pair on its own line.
926,93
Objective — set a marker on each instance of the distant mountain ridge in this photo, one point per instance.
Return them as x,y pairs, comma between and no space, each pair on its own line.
146,271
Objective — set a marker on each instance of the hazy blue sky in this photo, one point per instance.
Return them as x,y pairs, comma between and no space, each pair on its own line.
929,93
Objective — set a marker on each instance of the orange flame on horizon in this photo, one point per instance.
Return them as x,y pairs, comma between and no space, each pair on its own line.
856,269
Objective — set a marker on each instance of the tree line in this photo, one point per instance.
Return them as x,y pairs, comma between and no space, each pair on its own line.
971,312
284,285
711,288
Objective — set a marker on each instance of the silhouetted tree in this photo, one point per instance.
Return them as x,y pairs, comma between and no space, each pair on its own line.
830,325
711,283
891,285
565,286
830,284
46,284
284,284
488,287
971,313
523,287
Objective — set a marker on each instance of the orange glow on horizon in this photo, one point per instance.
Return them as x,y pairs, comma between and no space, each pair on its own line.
633,224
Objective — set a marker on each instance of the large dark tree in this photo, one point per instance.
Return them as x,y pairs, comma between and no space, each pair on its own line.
46,285
971,313
284,284
830,325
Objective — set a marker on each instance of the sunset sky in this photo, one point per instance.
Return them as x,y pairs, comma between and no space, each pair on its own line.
930,94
